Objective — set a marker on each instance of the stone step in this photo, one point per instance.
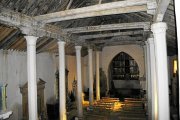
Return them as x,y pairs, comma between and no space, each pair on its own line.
133,102
135,99
132,105
131,118
91,117
132,115
133,108
109,98
133,112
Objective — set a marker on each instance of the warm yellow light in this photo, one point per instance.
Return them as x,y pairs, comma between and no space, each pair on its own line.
175,66
85,103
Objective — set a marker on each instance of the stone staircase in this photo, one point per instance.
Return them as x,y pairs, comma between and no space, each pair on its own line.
108,104
102,109
133,109
130,109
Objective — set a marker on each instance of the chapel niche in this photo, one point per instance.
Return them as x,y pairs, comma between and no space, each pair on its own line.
124,75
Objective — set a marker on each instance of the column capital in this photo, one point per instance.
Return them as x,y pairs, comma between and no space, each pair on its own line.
78,47
98,48
78,43
159,27
61,43
31,40
150,40
30,31
144,46
90,49
146,43
90,45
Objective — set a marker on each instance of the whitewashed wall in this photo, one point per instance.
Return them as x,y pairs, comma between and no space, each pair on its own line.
86,69
70,62
13,72
71,66
46,71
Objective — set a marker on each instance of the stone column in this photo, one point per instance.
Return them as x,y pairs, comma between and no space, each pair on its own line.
97,77
159,32
79,81
90,62
31,74
145,67
148,80
153,79
62,89
177,10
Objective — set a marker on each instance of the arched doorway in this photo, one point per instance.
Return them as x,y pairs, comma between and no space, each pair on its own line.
124,76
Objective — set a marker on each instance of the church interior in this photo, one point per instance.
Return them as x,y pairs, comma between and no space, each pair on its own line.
88,59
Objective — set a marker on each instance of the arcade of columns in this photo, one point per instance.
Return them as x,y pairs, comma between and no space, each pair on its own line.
154,49
156,74
32,87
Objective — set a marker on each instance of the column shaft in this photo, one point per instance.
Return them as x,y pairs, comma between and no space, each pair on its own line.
97,77
91,98
62,89
153,79
149,81
145,66
159,32
31,74
79,81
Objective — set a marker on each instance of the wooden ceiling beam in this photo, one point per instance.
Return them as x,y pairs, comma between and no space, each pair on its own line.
10,39
118,39
41,41
161,9
119,7
44,43
17,44
45,47
4,33
111,34
134,25
131,9
123,43
28,25
22,46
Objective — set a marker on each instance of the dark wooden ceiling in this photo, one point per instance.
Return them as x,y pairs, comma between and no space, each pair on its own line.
12,38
